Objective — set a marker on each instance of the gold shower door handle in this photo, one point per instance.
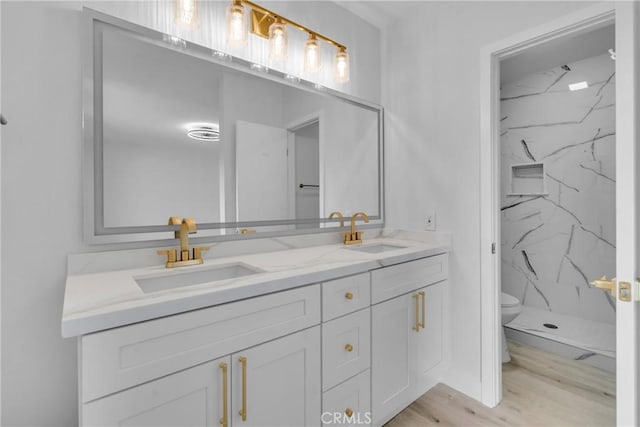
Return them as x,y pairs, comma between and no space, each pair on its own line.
603,283
243,411
224,421
416,326
422,297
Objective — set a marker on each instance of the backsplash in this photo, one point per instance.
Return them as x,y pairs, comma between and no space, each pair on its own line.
557,239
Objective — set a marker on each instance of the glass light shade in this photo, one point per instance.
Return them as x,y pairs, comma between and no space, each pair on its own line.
341,66
278,41
236,25
312,55
187,13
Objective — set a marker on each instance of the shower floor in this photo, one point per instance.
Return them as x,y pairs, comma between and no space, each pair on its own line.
588,340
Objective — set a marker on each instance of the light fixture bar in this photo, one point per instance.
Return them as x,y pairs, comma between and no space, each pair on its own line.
265,11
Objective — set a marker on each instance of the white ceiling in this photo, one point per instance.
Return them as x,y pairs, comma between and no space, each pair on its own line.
557,52
378,13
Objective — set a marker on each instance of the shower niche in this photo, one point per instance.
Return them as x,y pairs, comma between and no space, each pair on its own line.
527,179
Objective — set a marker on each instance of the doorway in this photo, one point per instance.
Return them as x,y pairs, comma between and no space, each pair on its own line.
557,213
626,17
304,162
557,197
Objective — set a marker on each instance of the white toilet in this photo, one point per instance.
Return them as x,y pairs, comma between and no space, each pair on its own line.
511,308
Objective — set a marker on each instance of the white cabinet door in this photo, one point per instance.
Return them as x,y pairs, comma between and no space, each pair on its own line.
391,323
407,343
428,343
278,383
193,397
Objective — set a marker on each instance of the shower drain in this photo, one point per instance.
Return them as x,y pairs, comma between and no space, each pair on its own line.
550,325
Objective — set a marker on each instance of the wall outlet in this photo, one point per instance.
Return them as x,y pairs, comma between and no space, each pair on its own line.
431,221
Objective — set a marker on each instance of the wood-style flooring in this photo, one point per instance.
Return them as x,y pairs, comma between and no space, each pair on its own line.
539,389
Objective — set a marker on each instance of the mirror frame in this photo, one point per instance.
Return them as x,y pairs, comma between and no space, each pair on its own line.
95,232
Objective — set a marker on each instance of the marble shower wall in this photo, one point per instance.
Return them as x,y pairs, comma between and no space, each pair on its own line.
555,243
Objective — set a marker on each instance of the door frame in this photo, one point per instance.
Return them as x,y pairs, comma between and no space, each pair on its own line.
593,17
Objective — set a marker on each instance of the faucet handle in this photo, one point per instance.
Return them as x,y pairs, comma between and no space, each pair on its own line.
170,253
198,250
174,220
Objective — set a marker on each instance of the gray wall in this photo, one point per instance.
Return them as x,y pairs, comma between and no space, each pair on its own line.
42,183
431,92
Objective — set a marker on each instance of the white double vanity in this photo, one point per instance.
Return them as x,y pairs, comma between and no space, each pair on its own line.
282,326
324,334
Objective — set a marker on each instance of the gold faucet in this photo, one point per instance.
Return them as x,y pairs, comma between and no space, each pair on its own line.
354,236
185,256
339,215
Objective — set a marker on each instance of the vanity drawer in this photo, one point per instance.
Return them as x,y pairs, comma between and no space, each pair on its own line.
345,295
119,358
346,347
399,279
352,397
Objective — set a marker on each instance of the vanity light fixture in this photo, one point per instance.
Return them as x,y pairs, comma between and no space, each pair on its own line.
341,66
269,25
312,55
187,13
236,25
205,132
278,40
578,86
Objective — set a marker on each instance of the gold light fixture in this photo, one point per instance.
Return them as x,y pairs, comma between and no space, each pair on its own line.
236,25
187,13
312,55
267,24
278,40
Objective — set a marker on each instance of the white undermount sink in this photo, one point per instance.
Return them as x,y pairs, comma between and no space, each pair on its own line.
376,248
179,279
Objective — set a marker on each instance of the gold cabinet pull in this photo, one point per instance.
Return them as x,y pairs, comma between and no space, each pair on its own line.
422,296
243,411
348,412
348,295
224,421
348,347
416,326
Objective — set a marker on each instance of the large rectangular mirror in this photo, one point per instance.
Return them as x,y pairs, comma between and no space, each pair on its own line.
176,129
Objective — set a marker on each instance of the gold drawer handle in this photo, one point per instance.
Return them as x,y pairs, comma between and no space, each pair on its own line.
348,347
243,411
416,326
348,412
348,295
422,296
224,421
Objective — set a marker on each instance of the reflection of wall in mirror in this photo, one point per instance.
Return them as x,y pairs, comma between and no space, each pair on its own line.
152,169
348,151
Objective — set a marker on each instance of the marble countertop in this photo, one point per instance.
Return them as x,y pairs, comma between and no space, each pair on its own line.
102,300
